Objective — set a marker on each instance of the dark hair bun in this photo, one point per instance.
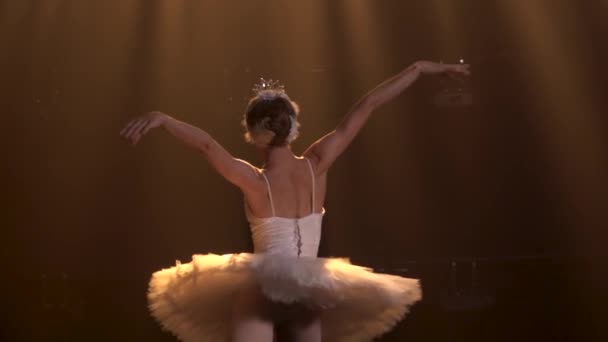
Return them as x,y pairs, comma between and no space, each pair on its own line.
275,115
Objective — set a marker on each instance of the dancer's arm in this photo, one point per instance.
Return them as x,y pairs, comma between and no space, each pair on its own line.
325,151
236,171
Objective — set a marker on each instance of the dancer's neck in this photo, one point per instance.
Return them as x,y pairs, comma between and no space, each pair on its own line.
279,155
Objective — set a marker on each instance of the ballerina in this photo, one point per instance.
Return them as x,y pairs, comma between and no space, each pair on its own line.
244,296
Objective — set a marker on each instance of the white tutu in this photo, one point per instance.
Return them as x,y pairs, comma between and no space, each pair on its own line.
195,300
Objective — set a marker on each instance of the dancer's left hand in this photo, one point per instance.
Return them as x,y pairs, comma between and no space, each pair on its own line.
137,127
427,67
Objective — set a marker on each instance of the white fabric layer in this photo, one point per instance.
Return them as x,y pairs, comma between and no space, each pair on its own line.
194,301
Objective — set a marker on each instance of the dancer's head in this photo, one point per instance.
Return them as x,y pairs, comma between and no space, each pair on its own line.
271,116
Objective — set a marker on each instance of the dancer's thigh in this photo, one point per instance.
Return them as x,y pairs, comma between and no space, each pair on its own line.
251,317
304,325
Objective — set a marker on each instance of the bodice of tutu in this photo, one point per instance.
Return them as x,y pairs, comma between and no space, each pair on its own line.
286,236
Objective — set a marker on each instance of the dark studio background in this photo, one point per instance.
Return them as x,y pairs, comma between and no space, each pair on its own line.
498,205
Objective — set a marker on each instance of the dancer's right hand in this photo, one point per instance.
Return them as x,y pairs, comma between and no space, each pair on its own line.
139,126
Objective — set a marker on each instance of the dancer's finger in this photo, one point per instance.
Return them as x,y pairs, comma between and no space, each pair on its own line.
146,129
145,124
135,127
129,128
125,129
139,132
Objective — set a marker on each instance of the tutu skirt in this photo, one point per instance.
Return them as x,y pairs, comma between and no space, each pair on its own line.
195,300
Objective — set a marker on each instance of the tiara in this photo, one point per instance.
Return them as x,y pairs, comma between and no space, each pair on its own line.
269,89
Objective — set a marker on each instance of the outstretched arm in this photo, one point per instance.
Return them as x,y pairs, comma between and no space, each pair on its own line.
236,171
325,150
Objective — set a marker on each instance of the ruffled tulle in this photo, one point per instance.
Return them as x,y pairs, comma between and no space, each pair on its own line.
194,301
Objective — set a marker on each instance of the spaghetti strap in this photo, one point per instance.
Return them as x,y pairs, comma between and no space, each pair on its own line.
312,175
269,193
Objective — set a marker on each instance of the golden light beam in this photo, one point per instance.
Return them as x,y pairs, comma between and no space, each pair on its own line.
557,79
448,27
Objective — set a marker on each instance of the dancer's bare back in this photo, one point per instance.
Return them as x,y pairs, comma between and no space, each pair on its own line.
291,188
